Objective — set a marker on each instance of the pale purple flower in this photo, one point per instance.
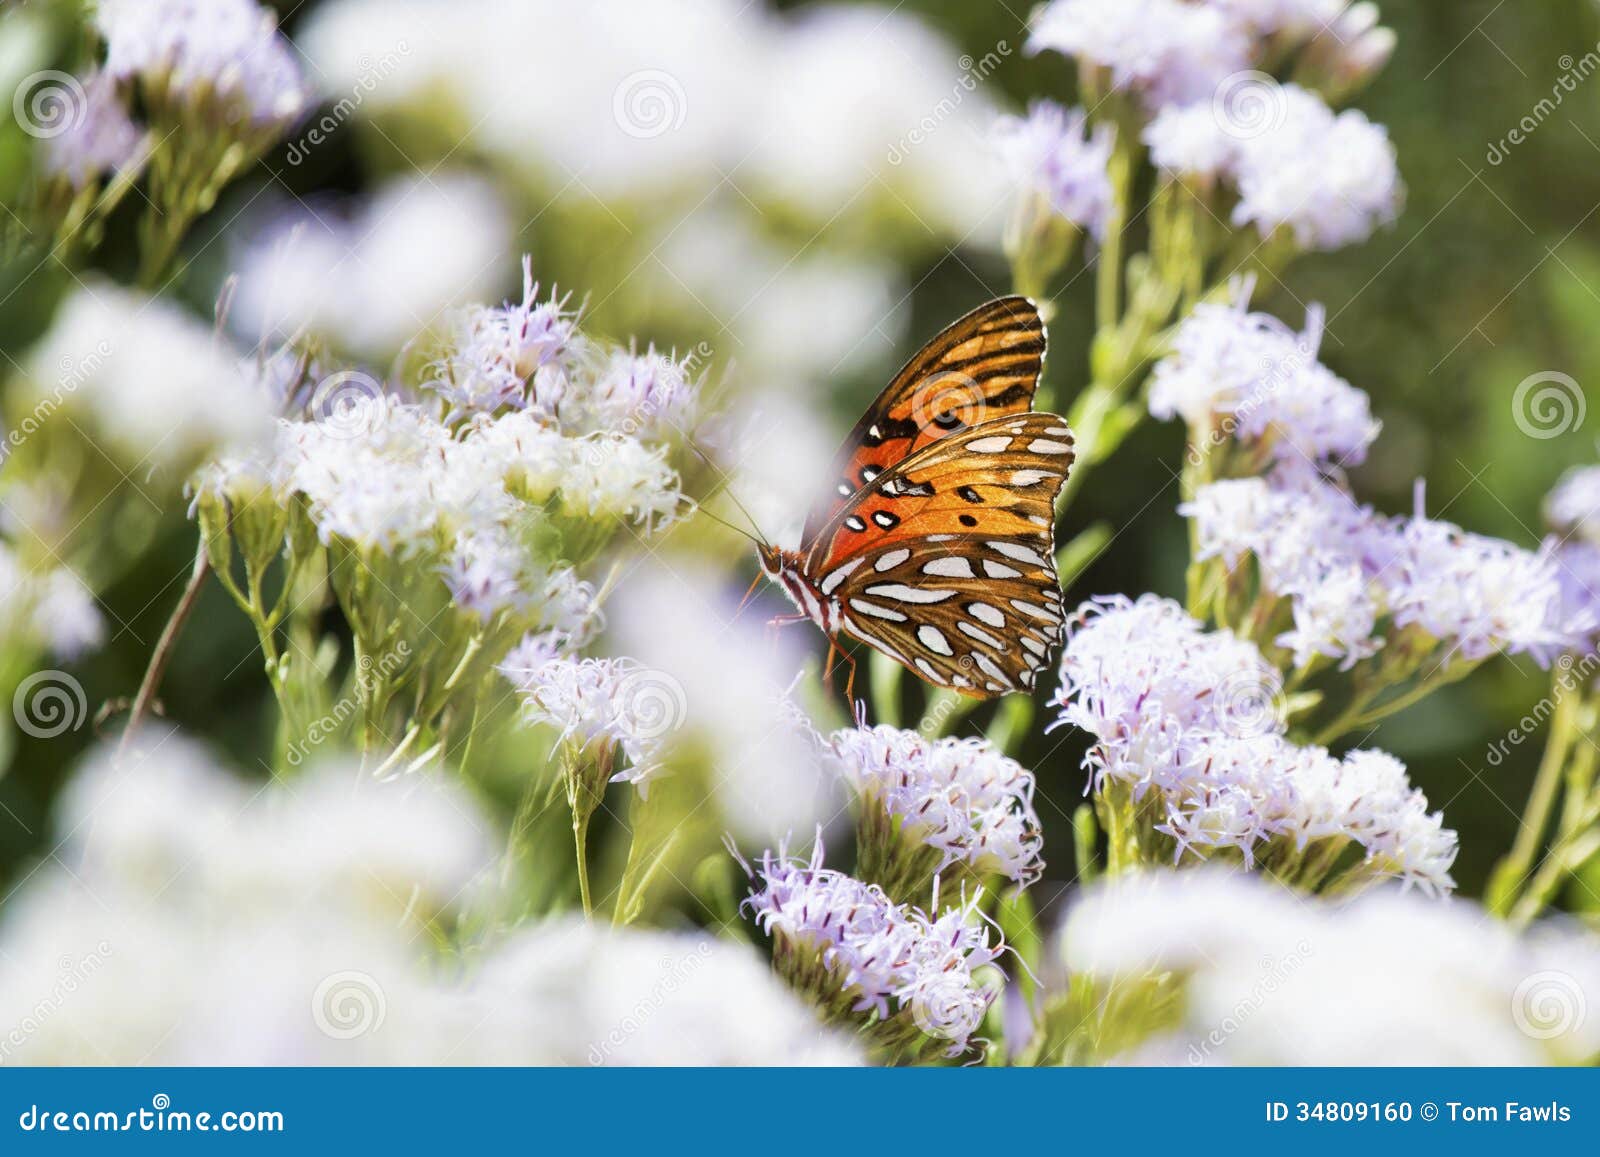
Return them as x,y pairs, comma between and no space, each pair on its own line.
1328,178
1195,717
885,958
1053,153
649,395
1478,594
1251,377
1167,51
1573,507
485,572
959,796
230,49
605,704
1190,140
1297,18
100,138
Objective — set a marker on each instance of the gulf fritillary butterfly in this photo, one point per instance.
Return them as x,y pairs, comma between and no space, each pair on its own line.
936,543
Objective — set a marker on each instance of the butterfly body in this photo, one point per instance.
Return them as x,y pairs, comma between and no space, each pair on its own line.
936,547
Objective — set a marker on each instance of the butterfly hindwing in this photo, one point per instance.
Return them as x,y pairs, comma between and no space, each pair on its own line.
946,562
983,366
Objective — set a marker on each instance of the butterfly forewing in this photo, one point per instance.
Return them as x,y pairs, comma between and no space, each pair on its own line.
946,562
983,366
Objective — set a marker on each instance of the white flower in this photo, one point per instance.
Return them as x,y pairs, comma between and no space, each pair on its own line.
1190,140
1194,716
156,385
649,395
1051,152
1480,594
1257,379
1168,51
227,48
685,620
959,796
1573,505
100,139
52,608
1299,18
615,475
1330,179
371,276
598,705
1269,978
568,992
879,956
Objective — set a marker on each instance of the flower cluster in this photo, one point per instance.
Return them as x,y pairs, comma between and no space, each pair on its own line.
852,949
48,610
1387,979
101,139
1355,580
926,804
225,54
1054,153
1189,734
1244,375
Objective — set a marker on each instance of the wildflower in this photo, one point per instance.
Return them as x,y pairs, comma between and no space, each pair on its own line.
225,52
51,609
649,395
100,139
601,705
853,950
1195,717
1385,979
1573,507
1327,178
1166,51
928,804
1052,153
1261,382
1190,140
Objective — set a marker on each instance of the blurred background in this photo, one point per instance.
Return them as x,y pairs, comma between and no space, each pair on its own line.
761,182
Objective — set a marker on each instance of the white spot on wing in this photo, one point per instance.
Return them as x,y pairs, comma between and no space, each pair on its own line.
933,638
1045,446
1034,609
876,611
952,567
989,668
891,560
838,575
982,636
999,570
995,445
1019,552
984,613
1028,477
927,669
904,594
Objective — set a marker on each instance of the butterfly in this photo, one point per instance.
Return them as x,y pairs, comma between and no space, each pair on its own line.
935,544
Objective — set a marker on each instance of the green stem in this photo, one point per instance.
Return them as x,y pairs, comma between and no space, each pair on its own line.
1517,866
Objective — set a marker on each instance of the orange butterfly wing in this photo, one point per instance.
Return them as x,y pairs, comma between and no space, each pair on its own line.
946,562
982,366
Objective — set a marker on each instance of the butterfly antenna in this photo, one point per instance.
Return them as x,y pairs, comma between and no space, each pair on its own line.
739,530
726,488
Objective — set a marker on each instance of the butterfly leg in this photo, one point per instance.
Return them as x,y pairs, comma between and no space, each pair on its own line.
850,680
775,623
